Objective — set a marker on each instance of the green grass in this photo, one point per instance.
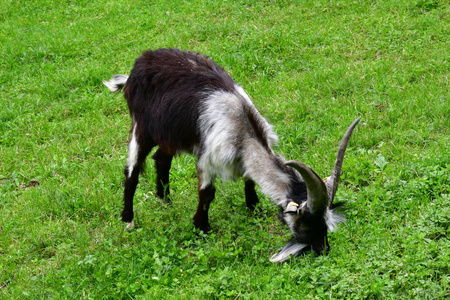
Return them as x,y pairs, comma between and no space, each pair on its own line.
311,67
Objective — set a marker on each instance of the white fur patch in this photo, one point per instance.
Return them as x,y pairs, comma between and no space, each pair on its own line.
333,219
222,124
116,82
229,149
133,149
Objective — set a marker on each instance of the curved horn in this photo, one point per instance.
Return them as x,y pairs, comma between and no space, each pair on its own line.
332,182
317,191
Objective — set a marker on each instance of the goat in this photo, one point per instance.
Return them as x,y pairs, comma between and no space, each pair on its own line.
184,102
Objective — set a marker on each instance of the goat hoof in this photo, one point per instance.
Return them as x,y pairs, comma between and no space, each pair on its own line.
203,233
127,216
130,225
204,229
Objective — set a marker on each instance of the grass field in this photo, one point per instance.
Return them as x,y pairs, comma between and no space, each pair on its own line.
311,68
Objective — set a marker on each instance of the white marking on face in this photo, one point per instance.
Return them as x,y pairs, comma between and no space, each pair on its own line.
133,149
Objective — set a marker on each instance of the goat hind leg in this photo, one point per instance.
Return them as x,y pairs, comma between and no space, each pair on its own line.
131,181
135,162
163,162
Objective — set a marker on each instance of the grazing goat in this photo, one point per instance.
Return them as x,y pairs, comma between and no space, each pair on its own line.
184,102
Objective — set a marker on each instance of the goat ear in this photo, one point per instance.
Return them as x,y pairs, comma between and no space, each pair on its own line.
292,207
292,248
317,191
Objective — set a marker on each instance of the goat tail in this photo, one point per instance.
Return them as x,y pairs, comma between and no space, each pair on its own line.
116,83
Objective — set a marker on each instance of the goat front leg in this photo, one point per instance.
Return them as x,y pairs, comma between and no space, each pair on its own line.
251,199
206,193
163,162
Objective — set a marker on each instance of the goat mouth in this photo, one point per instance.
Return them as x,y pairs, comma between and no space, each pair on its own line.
309,248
